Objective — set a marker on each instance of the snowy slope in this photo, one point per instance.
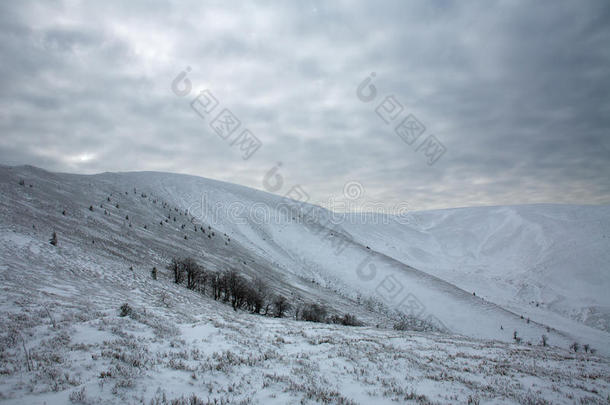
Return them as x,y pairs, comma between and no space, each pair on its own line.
61,335
512,257
549,263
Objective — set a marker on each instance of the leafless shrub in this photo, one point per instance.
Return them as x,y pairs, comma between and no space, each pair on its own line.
125,310
347,320
161,399
313,313
414,324
473,400
78,396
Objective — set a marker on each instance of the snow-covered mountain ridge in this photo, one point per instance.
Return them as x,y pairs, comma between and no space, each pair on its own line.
64,341
549,263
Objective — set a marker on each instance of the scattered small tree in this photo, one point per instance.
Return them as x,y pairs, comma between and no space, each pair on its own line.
154,273
125,310
575,346
22,182
544,340
53,239
91,208
78,396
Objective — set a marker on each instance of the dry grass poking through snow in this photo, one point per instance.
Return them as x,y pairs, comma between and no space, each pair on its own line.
217,356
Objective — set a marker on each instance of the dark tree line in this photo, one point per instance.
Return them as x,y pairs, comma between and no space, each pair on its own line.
251,295
229,287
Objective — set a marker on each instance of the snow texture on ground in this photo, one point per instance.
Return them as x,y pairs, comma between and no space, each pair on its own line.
62,339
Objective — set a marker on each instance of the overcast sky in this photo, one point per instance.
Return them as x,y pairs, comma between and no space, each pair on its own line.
517,94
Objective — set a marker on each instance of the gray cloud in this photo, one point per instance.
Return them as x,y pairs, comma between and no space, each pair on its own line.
518,92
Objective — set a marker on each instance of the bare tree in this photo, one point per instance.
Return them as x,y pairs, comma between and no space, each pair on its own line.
192,270
236,288
314,313
215,283
176,267
201,279
281,306
260,295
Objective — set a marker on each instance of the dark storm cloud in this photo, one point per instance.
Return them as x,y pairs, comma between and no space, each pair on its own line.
516,91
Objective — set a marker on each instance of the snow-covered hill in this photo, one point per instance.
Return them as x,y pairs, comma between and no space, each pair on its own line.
535,270
549,263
